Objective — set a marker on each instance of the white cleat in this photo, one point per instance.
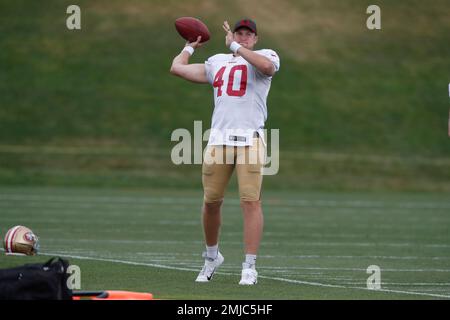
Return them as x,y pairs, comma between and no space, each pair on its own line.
249,276
209,268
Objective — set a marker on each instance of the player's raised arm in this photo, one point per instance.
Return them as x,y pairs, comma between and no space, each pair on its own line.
194,72
242,42
260,62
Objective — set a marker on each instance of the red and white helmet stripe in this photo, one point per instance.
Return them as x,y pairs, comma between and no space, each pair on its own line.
10,237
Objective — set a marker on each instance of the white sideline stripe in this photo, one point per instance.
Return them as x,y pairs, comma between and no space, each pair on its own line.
184,200
117,261
404,283
265,277
356,257
358,288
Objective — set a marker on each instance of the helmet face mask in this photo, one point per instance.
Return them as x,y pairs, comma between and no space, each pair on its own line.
21,240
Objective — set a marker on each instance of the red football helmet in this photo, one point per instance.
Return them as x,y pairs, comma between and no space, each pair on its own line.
21,240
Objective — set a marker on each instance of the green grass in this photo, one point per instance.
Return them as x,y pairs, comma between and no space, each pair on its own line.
85,124
342,89
316,245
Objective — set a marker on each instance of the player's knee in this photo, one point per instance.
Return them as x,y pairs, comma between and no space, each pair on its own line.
212,196
251,204
249,193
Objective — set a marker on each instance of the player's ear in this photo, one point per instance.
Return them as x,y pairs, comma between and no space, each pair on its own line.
256,39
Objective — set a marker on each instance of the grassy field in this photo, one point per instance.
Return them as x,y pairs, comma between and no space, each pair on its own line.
316,245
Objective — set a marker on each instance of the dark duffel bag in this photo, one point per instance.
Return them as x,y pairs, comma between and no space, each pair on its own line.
40,281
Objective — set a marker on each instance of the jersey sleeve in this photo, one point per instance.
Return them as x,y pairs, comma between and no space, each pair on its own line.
272,56
209,70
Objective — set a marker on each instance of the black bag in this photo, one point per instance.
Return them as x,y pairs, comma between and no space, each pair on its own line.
38,281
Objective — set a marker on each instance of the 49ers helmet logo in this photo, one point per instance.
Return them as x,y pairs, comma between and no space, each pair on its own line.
29,236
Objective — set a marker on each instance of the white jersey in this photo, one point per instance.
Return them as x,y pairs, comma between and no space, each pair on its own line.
240,98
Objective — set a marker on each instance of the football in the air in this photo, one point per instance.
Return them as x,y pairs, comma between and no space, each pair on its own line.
190,28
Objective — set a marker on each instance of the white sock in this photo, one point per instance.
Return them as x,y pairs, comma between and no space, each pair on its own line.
250,260
211,252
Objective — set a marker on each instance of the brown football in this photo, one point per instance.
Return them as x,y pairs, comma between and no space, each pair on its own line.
190,28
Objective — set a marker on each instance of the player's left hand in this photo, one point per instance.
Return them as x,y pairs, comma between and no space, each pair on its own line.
229,38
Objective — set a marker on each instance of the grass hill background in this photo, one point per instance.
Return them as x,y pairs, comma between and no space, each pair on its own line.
356,109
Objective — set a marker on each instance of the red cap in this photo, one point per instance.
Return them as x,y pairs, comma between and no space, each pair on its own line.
246,23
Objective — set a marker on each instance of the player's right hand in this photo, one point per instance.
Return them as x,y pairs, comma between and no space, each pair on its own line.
195,44
229,38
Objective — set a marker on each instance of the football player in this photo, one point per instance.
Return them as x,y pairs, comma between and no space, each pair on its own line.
241,82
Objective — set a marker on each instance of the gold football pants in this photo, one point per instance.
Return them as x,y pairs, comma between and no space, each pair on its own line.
219,163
